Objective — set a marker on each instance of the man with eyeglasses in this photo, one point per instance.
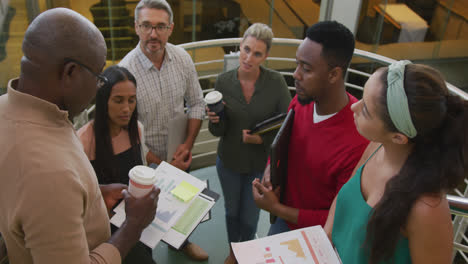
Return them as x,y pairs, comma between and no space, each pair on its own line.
52,209
166,77
101,80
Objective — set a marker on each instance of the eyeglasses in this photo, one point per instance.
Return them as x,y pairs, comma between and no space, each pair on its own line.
101,79
160,28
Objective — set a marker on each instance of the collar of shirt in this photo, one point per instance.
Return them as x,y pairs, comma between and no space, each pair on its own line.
147,63
26,107
258,83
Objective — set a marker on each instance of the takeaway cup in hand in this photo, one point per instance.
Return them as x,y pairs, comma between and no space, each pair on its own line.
214,101
142,180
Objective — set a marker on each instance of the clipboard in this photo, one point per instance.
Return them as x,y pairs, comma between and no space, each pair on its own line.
279,157
172,213
175,237
268,124
212,194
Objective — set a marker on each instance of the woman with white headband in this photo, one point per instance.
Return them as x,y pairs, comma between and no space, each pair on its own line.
394,209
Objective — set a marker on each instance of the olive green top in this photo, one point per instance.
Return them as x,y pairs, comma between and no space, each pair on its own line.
271,97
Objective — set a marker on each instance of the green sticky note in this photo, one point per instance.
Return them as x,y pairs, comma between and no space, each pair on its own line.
185,191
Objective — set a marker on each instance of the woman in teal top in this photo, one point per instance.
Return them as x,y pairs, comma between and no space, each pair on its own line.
394,209
351,216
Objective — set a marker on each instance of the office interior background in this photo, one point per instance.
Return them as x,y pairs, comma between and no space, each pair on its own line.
433,32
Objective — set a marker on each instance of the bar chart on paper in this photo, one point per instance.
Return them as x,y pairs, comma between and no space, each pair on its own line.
169,207
307,245
165,216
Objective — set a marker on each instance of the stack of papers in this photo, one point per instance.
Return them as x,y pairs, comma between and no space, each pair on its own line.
179,190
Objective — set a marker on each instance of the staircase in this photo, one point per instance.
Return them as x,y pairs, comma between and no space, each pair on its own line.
117,26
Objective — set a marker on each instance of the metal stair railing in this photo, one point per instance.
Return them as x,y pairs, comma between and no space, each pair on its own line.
193,46
459,208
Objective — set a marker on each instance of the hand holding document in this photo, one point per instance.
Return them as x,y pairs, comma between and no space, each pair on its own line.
181,205
307,245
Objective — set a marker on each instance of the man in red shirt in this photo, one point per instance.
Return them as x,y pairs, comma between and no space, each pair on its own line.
324,146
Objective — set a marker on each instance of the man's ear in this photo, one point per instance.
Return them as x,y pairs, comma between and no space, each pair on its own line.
171,29
69,74
335,75
399,138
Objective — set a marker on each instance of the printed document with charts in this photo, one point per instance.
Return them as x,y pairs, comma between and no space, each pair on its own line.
171,207
307,245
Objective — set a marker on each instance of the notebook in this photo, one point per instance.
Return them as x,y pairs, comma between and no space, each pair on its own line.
176,135
268,124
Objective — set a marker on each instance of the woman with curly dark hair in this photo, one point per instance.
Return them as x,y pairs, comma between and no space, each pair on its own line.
394,208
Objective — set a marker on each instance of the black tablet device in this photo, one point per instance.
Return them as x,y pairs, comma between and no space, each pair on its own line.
279,157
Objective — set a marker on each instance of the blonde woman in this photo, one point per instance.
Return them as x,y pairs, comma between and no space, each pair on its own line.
251,93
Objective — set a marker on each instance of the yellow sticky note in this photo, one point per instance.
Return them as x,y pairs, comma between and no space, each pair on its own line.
185,191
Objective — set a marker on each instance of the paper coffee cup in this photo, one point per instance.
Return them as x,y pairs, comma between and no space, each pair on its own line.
214,101
141,181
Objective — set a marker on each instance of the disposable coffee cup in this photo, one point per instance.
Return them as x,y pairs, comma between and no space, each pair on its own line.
214,101
142,179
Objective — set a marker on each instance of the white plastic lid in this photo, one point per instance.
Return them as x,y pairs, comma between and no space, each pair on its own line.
142,175
213,97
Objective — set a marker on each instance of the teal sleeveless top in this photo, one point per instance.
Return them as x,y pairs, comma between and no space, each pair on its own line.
350,225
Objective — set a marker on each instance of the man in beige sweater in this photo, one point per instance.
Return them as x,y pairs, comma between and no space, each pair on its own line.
51,207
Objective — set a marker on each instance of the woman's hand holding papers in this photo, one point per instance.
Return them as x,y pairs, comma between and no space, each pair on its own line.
251,139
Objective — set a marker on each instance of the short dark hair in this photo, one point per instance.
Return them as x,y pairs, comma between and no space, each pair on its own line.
336,40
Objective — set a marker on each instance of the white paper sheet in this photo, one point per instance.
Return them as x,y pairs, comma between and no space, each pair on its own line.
307,245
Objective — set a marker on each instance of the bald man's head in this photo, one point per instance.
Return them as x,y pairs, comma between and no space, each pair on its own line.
62,33
63,53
